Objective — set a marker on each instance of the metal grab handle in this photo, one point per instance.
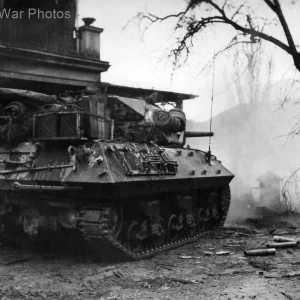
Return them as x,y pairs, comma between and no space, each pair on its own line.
18,186
73,166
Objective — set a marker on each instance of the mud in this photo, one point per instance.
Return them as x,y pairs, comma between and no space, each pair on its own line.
213,268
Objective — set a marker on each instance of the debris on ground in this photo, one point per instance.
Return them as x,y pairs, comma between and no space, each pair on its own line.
224,253
17,261
292,274
241,234
282,245
283,231
260,273
146,285
240,228
260,252
292,227
287,296
194,271
233,245
284,239
185,281
166,266
118,274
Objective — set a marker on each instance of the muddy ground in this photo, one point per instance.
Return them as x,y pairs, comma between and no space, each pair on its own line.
183,273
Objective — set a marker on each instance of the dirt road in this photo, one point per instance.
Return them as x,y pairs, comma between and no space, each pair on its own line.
184,273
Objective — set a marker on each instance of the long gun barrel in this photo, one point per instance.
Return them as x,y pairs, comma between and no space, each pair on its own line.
189,134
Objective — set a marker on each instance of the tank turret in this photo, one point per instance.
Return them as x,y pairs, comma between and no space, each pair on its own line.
152,123
43,117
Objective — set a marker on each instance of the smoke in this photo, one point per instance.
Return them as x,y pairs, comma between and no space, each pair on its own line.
251,141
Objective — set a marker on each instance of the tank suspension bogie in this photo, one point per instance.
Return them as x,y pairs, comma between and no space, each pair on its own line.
202,218
68,218
159,237
151,209
34,219
115,220
136,234
173,228
154,225
188,220
30,223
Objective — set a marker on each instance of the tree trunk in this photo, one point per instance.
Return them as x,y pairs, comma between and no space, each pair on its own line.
296,59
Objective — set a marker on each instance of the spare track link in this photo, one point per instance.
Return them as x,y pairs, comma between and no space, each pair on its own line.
99,230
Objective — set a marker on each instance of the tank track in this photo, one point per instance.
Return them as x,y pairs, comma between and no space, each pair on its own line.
109,243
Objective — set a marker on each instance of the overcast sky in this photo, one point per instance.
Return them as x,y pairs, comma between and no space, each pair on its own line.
142,63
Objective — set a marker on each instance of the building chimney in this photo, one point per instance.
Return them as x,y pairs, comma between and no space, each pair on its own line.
89,45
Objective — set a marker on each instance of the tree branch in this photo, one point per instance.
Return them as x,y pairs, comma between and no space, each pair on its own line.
217,14
270,4
231,44
285,27
290,177
237,11
156,18
252,31
259,34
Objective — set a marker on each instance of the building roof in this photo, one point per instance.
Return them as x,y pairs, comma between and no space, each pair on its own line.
156,95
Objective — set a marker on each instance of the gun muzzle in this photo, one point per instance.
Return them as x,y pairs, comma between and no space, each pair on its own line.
189,134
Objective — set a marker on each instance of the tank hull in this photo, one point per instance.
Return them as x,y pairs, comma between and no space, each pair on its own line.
138,199
103,173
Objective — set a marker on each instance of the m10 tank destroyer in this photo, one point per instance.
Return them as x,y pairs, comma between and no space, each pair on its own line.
113,169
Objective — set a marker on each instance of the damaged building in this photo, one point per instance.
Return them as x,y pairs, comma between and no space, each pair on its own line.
51,51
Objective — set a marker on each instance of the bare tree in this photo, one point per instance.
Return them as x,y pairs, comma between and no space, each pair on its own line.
290,192
252,71
202,14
